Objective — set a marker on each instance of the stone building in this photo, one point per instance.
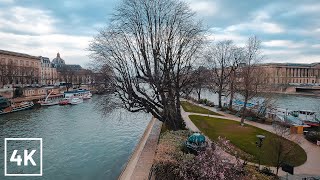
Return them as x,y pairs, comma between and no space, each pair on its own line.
49,74
71,73
293,73
18,69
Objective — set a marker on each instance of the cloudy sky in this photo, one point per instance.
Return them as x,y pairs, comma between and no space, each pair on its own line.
289,30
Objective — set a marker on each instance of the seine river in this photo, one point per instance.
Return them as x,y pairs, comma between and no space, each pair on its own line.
79,141
284,101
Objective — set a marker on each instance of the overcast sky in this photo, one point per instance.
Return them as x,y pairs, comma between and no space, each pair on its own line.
289,30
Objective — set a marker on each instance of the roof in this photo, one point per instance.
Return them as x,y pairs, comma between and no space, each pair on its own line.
292,64
11,53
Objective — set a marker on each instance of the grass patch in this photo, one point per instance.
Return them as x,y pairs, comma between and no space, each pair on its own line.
189,107
244,138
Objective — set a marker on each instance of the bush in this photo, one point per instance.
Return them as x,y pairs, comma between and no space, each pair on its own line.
267,171
209,103
210,165
18,92
313,136
253,174
203,101
171,163
169,154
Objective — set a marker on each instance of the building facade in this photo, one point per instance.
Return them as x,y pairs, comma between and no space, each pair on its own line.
18,69
293,74
49,74
71,73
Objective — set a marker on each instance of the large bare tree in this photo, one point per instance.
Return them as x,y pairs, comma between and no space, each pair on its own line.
151,46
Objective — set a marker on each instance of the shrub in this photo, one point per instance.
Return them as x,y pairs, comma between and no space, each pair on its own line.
169,154
313,136
253,174
267,171
210,164
171,163
209,103
203,101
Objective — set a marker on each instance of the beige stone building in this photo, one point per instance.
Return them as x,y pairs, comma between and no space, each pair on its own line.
293,74
19,69
49,74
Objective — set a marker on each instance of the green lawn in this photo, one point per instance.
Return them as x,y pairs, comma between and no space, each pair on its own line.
244,137
189,107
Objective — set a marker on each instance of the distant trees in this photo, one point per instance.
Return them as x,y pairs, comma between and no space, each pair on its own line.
151,46
201,78
251,77
223,57
67,74
12,73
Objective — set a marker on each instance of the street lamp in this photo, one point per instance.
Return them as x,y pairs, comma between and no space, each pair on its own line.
259,145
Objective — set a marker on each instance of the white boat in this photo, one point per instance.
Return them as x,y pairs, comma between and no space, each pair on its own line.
297,117
47,102
80,93
75,101
87,96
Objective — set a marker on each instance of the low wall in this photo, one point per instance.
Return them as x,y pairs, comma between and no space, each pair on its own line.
140,163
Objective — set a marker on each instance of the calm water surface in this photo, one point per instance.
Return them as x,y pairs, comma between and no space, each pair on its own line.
291,102
78,141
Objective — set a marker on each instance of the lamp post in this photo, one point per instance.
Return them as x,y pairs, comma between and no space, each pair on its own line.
259,145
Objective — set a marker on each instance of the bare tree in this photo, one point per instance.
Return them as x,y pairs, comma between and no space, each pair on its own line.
251,76
151,46
223,57
200,77
67,74
3,72
283,151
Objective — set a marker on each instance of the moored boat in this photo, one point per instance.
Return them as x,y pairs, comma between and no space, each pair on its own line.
7,107
64,102
87,95
301,117
75,101
48,102
80,93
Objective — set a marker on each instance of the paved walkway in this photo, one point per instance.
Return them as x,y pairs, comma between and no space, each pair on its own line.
140,163
310,167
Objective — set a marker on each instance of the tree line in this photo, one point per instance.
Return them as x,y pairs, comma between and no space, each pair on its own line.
11,73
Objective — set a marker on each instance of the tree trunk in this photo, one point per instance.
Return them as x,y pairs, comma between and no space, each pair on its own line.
219,97
199,94
172,116
244,110
231,100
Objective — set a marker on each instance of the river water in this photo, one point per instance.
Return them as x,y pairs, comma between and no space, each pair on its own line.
79,141
284,101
